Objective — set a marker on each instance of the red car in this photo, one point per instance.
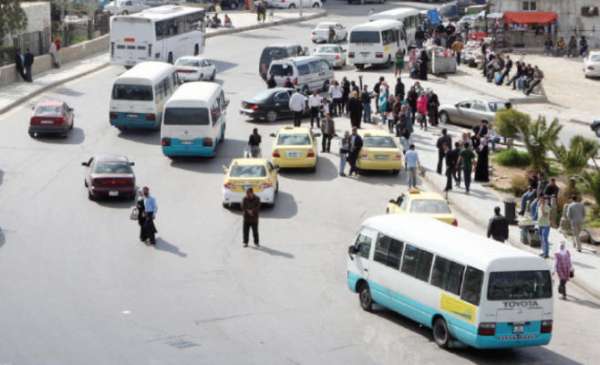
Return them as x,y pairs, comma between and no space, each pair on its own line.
51,117
109,176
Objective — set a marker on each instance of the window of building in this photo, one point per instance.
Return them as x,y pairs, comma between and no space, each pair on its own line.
447,275
417,262
529,5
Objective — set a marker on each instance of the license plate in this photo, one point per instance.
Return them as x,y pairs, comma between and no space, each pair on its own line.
381,157
113,193
518,328
293,154
47,122
187,142
131,115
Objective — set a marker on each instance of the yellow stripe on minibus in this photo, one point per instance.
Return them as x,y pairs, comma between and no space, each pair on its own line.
458,307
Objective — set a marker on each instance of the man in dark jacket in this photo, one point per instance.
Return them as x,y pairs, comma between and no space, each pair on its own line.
19,64
251,209
399,89
498,226
28,63
444,140
356,144
451,160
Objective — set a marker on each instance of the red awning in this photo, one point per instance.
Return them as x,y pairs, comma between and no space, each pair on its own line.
530,17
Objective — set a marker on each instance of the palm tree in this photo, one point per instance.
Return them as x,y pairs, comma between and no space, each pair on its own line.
575,159
539,138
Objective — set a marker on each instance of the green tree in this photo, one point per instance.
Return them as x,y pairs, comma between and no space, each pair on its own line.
575,158
508,123
12,18
540,137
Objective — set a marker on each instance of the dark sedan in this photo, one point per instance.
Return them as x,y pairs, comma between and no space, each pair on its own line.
109,176
269,105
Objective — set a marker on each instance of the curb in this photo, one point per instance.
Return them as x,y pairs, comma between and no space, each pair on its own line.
580,122
103,65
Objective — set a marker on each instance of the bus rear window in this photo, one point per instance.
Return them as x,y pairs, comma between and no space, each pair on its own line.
364,37
132,92
186,116
517,285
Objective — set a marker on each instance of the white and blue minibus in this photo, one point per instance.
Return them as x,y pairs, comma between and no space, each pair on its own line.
138,95
461,285
193,121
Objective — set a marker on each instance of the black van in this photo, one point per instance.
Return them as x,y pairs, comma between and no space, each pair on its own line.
278,52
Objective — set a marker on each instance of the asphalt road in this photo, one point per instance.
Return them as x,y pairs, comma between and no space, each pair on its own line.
79,288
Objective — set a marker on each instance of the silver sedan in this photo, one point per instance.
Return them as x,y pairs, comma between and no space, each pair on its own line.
471,112
333,53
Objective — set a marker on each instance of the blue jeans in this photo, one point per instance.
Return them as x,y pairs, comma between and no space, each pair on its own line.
526,198
367,112
544,234
533,210
412,177
342,162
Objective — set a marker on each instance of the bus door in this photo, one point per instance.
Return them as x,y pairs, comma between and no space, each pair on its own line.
360,259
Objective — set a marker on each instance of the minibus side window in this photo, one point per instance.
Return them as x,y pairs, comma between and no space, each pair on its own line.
363,243
447,275
471,290
417,262
215,112
388,251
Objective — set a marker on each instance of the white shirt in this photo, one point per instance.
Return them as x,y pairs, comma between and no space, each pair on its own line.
297,102
335,91
315,101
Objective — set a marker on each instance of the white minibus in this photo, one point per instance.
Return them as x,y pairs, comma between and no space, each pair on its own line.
461,285
409,17
307,73
375,43
163,33
138,95
194,120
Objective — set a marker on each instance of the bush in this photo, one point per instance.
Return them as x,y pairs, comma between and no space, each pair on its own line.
512,158
508,122
519,185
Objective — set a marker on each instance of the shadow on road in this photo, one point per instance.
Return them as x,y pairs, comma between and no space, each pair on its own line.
326,171
150,137
76,136
285,207
163,245
116,203
274,252
228,150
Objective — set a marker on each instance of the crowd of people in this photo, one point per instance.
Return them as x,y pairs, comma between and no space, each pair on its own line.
560,48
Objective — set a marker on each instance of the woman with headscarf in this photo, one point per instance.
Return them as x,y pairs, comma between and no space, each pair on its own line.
563,268
422,110
423,60
355,109
482,168
345,94
433,108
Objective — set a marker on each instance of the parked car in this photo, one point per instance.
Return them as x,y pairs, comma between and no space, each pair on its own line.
321,32
278,52
194,68
109,176
596,127
124,7
51,117
293,4
269,105
333,53
471,112
591,64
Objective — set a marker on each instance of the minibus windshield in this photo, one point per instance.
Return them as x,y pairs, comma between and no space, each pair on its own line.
517,285
364,37
132,92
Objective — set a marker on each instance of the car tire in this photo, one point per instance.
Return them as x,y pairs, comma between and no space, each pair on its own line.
91,196
125,12
444,118
316,5
31,134
395,172
441,334
364,297
85,183
271,116
313,169
292,6
360,67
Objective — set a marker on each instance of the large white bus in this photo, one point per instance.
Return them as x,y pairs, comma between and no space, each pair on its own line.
164,33
375,43
409,17
465,287
139,94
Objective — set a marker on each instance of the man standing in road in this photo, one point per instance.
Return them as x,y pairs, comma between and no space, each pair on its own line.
412,164
297,104
466,160
451,159
444,140
365,99
457,46
356,144
576,217
28,63
251,209
19,60
328,130
314,105
254,143
150,209
498,227
377,90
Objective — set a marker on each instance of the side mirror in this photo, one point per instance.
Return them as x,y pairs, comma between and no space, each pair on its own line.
131,163
352,250
272,135
226,102
457,106
225,169
85,164
393,201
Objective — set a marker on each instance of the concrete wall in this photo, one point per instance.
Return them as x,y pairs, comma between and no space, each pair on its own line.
8,73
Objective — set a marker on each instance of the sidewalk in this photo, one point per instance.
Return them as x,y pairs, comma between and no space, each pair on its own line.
17,93
479,207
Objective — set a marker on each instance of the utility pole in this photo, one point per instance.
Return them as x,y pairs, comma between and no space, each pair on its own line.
301,6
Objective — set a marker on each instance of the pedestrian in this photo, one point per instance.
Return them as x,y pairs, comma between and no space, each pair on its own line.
419,37
482,173
19,60
254,143
529,195
560,47
250,209
354,87
423,61
576,217
457,168
271,83
399,61
457,47
548,44
444,140
356,144
383,101
345,94
543,221
328,131
54,55
451,159
344,150
563,268
433,108
331,35
422,110
141,217
399,89
315,101
507,68
572,51
336,98
377,90
297,104
465,159
411,158
583,46
288,83
520,72
498,227
411,100
150,208
365,99
28,60
538,76
355,109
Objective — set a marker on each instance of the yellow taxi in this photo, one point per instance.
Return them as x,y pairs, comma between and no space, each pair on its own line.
422,203
379,152
295,147
256,173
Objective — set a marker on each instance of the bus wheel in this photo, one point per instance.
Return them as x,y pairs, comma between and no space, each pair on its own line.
360,67
364,295
441,335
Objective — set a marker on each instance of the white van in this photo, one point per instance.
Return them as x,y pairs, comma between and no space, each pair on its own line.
375,43
306,73
193,121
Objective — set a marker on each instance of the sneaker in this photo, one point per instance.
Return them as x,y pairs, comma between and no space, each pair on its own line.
245,245
256,244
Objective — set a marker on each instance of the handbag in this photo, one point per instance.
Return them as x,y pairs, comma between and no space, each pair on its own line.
135,213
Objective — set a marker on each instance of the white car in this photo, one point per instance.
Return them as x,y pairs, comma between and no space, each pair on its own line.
321,32
124,7
294,4
194,68
333,53
591,64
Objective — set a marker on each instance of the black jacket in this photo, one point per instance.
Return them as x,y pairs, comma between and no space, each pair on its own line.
444,140
498,228
28,59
